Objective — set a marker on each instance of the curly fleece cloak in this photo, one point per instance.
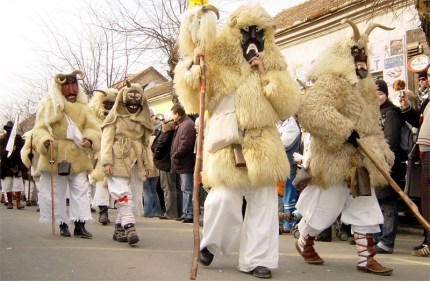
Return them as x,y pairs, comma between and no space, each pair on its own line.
337,103
51,124
261,101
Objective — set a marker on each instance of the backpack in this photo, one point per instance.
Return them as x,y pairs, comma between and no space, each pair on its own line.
406,137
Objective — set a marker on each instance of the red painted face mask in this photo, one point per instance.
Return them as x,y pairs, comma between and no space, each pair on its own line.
70,91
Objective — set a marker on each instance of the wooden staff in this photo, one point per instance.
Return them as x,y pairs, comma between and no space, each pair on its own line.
30,156
51,162
399,191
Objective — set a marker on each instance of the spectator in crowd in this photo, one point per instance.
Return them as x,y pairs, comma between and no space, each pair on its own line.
183,159
421,119
424,87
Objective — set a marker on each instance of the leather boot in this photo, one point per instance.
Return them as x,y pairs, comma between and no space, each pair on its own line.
9,200
206,257
325,235
364,244
3,199
119,234
308,252
64,230
80,230
18,200
130,232
28,203
103,215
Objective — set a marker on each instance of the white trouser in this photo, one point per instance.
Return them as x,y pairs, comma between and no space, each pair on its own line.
33,190
321,207
12,184
91,193
132,188
101,197
79,209
223,225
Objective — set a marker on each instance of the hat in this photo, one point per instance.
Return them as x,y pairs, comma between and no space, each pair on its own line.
422,74
381,86
9,124
151,112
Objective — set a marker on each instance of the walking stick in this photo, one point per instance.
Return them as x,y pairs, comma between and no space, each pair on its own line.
30,156
399,191
51,162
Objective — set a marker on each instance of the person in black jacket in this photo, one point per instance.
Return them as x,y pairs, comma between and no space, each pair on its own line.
391,122
170,182
11,167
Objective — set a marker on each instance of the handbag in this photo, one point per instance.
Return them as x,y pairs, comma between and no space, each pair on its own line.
302,179
222,128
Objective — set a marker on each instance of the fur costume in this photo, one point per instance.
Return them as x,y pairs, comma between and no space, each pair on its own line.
261,101
51,124
30,147
96,105
126,137
337,103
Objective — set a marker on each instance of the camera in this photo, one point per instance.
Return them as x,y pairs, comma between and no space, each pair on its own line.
401,93
159,118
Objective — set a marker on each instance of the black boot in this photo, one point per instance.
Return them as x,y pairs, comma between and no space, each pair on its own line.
64,230
80,230
119,233
206,257
325,235
130,232
103,215
261,272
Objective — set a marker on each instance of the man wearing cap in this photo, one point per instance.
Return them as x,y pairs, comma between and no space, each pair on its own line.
66,131
10,167
424,87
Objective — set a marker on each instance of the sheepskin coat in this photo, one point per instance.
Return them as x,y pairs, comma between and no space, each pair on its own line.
98,110
126,138
336,104
51,124
30,147
261,101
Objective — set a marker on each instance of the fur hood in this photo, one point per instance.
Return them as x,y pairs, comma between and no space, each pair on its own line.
101,96
340,63
54,103
142,116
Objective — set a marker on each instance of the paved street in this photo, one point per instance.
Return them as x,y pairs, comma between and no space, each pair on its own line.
30,252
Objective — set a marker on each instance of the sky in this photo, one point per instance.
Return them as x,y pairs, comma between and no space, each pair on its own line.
25,25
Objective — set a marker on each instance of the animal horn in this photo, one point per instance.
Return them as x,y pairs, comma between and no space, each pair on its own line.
301,83
60,79
103,92
232,22
356,35
211,8
144,86
375,25
127,83
80,73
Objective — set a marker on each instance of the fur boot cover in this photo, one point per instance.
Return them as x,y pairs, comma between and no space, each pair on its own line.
100,97
51,124
337,103
126,137
261,101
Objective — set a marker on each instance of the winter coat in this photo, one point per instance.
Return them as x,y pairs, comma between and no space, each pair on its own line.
260,102
14,160
162,145
182,149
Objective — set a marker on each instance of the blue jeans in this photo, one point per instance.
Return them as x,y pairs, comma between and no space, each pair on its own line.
289,199
187,195
387,236
151,205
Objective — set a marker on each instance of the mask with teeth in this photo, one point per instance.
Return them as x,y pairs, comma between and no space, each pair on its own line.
133,101
252,41
360,60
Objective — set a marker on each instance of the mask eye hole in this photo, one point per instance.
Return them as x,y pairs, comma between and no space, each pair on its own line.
137,96
257,29
246,28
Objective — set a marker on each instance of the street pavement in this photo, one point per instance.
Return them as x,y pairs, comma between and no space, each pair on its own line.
29,251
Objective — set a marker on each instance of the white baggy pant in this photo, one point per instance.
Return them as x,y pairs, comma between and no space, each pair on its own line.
79,209
101,197
12,184
33,191
321,207
223,225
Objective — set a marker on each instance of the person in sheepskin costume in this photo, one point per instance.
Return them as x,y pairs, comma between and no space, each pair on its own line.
30,157
101,104
341,107
244,61
66,126
127,157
